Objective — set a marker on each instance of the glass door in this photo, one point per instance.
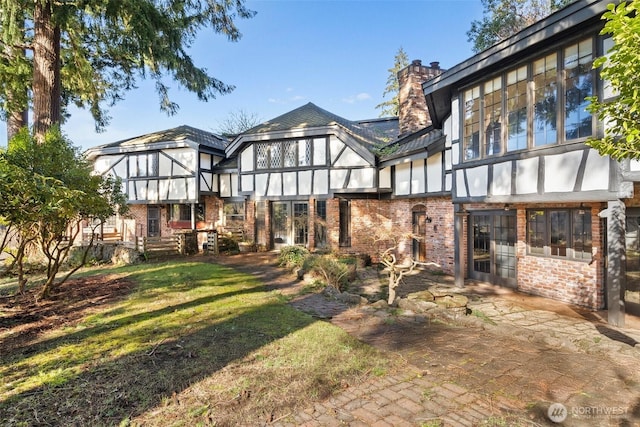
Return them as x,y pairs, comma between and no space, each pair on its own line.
300,223
290,223
280,224
493,247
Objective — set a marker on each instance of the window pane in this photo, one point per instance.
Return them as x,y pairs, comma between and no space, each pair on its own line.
546,94
321,224
153,164
290,155
578,59
517,109
300,223
185,212
234,214
493,116
559,232
536,231
582,240
275,154
262,153
304,152
472,124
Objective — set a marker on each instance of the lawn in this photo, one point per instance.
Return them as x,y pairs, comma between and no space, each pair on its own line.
174,343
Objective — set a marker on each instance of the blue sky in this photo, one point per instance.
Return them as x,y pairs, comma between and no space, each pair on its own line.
334,53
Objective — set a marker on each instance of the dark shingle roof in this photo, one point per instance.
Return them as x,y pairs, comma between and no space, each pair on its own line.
177,134
418,141
310,116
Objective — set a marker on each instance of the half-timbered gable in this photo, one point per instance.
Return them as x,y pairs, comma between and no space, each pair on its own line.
307,151
171,178
528,192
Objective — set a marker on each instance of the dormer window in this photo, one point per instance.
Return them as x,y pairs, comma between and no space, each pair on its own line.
536,104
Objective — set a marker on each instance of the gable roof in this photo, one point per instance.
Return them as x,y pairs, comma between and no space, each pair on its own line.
184,134
369,133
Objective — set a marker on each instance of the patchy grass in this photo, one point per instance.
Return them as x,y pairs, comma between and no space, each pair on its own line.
178,343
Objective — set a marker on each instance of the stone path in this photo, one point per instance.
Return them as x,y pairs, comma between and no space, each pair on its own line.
505,364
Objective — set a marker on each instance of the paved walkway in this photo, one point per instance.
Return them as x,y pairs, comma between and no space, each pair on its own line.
513,361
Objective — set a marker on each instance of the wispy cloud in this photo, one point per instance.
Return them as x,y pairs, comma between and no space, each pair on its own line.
363,96
288,100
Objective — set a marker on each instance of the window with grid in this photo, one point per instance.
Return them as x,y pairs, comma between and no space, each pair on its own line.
472,123
545,76
578,60
262,155
290,153
560,233
517,109
287,154
536,104
493,116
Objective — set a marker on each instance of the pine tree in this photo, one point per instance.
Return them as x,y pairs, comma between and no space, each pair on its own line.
391,106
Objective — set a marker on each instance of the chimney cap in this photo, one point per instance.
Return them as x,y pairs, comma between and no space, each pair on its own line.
435,65
416,62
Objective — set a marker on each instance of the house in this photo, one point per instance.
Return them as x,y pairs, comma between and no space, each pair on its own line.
536,208
172,180
307,177
486,166
312,178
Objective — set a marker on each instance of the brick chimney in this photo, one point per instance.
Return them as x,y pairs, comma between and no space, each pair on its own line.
412,112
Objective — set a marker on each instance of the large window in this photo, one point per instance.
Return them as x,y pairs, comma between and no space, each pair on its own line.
283,154
560,232
533,105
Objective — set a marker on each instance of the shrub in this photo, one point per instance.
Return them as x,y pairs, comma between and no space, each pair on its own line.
293,256
334,272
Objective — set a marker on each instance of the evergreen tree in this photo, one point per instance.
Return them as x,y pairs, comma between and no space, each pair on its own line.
89,52
391,106
503,18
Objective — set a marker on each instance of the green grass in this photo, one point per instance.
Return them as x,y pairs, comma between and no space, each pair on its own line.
187,341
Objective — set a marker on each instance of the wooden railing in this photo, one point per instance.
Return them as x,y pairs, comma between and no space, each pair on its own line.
160,246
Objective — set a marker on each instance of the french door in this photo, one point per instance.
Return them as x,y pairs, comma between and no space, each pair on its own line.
289,223
492,243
